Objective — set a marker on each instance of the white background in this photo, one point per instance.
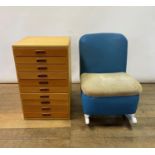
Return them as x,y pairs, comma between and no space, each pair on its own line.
136,23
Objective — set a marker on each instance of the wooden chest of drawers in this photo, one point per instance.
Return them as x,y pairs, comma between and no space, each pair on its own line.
43,72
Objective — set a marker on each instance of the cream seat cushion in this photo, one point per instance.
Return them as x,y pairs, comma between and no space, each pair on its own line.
109,84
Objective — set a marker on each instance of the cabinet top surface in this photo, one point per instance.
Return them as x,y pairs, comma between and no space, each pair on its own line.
43,41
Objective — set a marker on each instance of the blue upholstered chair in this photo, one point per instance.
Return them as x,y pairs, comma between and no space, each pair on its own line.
106,88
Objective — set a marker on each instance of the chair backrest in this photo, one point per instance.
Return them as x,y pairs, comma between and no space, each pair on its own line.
103,53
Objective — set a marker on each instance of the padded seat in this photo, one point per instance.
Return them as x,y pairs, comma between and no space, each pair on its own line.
109,84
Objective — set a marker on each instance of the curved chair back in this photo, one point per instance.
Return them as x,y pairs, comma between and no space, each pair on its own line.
103,53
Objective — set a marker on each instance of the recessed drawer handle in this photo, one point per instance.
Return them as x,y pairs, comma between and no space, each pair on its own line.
44,89
42,75
46,108
40,52
45,102
41,60
46,114
42,68
43,82
44,96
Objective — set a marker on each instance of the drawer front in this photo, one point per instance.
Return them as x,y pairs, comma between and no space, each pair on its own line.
43,75
42,60
45,102
44,96
45,68
44,89
46,115
44,83
45,108
40,51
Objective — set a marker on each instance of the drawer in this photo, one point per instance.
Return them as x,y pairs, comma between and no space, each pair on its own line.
40,51
44,89
45,108
45,102
36,67
42,75
46,115
44,83
42,60
44,96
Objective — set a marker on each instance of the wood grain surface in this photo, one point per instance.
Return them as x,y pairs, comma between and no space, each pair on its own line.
106,131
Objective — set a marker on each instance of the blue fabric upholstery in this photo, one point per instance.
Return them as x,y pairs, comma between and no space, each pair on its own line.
105,53
116,105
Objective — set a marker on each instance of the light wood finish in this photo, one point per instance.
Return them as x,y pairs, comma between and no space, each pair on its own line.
45,115
45,102
45,68
44,82
106,131
43,72
41,60
43,42
45,108
41,51
11,115
42,96
43,75
44,89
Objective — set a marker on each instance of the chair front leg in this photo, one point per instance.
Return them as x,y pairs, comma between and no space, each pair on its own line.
86,117
132,118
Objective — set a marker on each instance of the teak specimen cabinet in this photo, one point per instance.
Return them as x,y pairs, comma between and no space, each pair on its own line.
43,71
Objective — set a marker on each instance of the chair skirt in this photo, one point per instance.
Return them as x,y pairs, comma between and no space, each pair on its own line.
116,105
